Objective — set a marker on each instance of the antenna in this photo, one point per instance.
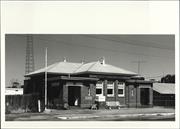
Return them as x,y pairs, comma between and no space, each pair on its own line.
29,66
139,62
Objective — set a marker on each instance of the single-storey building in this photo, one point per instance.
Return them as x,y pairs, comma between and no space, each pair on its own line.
84,84
164,94
14,91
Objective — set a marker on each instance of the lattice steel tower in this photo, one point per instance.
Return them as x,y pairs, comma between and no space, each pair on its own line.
29,55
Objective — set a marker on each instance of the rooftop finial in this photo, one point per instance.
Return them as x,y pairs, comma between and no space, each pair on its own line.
64,59
102,60
83,60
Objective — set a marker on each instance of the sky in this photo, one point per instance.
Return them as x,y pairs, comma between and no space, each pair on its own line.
156,52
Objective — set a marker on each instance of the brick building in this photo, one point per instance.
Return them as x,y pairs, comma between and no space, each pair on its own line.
83,84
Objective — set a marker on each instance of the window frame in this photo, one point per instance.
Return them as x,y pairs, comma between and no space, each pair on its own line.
110,85
121,85
99,85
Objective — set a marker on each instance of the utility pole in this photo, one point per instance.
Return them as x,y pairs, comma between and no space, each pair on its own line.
139,62
45,79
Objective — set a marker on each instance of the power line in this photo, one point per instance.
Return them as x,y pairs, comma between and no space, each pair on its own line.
104,49
128,42
139,62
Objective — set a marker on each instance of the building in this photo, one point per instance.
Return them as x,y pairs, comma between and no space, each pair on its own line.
14,91
164,94
84,84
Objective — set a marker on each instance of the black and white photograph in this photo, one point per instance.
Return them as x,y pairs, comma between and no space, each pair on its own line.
89,64
90,77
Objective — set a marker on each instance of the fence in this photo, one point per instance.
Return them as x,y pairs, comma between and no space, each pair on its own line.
167,103
167,100
21,103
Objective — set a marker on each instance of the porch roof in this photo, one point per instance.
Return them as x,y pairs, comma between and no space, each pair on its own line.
73,78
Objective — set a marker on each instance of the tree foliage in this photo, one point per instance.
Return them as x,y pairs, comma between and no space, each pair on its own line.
168,79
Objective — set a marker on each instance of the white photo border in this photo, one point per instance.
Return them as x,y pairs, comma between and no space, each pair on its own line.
78,17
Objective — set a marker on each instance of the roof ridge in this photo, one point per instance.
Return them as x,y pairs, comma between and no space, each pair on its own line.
78,68
92,65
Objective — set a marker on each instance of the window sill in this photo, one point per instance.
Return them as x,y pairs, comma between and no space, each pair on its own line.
110,95
121,95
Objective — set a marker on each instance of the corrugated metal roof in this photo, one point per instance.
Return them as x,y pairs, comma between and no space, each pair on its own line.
75,68
102,68
59,67
164,88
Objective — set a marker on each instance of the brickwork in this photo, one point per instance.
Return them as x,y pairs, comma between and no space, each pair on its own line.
116,91
65,93
61,94
105,88
86,100
93,92
115,97
138,97
131,98
151,96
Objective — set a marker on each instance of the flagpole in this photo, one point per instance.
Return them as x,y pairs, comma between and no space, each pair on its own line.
45,79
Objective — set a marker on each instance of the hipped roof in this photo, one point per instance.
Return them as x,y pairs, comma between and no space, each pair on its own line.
77,68
164,88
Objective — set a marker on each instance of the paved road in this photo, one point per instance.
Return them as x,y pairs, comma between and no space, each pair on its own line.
124,114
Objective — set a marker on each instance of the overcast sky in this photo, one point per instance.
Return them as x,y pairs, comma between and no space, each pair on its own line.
156,51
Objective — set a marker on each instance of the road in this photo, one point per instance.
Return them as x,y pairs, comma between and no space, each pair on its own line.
124,114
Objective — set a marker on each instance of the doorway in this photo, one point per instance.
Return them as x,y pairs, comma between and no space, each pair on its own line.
74,95
144,96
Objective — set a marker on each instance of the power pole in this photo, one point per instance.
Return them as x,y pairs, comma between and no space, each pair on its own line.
45,80
139,62
29,66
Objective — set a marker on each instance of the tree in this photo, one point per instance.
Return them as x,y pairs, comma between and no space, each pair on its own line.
15,83
168,79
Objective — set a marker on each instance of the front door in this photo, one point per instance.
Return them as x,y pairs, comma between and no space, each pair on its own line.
74,95
144,96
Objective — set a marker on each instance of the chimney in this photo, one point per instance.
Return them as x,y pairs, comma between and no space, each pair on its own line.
64,59
83,61
102,60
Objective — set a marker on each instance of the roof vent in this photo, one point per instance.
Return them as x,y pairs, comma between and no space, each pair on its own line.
64,59
102,60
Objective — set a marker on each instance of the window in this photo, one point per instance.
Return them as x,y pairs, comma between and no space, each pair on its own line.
121,86
98,91
110,89
99,88
120,91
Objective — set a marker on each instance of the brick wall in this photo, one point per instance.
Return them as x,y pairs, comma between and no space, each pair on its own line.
86,99
116,97
132,96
